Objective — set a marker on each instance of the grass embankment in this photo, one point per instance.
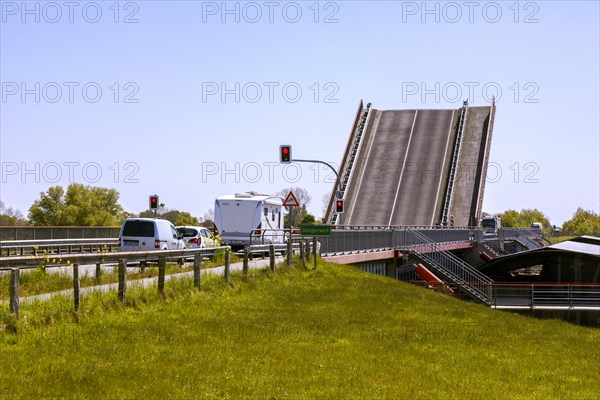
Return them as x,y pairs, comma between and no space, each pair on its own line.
557,239
41,280
331,333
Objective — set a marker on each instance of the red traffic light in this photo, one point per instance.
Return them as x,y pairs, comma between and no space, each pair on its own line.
285,153
339,206
153,202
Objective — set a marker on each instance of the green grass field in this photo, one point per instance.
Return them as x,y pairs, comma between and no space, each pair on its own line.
558,239
331,333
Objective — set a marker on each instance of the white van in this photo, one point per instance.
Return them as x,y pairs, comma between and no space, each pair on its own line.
146,234
536,225
238,216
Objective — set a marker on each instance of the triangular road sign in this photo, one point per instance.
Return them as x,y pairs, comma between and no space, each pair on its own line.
290,201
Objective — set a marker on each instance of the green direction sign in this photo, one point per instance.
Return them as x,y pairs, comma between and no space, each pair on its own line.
315,230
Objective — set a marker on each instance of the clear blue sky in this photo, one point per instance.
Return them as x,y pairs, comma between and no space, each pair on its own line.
161,124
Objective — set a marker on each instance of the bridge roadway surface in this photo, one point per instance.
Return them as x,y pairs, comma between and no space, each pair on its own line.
253,264
401,171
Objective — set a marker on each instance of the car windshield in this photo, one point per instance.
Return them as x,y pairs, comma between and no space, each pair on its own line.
188,232
138,228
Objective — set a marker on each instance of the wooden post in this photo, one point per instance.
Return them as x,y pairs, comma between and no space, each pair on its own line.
76,284
197,260
272,257
289,249
302,252
315,251
162,266
227,258
14,292
245,264
98,270
307,250
122,281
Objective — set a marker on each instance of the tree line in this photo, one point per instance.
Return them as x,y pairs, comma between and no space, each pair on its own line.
81,205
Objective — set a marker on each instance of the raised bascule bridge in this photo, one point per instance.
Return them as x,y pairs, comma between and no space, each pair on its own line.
415,167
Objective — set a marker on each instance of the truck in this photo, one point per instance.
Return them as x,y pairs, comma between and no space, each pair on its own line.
491,224
248,218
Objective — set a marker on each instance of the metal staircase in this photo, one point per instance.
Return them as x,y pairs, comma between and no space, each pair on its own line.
496,251
474,283
454,165
347,171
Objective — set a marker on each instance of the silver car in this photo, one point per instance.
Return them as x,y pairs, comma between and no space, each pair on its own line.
196,237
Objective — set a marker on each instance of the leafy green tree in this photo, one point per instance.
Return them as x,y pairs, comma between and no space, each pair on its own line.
79,206
49,209
10,217
510,218
185,218
308,219
524,218
529,216
175,216
583,222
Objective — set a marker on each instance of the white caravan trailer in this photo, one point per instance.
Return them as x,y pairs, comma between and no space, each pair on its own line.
242,215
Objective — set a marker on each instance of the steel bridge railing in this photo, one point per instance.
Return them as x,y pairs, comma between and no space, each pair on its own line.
352,239
56,246
546,295
448,265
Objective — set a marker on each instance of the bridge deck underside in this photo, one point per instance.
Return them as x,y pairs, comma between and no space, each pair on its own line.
402,170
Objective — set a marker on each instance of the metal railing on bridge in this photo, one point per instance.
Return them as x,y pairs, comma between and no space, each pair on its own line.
351,239
449,266
551,296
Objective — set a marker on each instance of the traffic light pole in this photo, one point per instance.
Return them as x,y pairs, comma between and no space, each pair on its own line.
337,176
339,182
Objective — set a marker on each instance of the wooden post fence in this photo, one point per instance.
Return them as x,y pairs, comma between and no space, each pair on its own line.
315,251
289,249
76,286
162,267
302,252
197,260
98,270
14,292
227,258
122,281
272,258
245,264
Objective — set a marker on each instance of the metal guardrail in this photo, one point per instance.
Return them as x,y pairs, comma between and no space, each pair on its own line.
15,264
104,257
268,236
55,246
557,296
57,232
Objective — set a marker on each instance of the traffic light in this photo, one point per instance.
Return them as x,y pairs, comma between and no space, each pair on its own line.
285,153
339,206
154,202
